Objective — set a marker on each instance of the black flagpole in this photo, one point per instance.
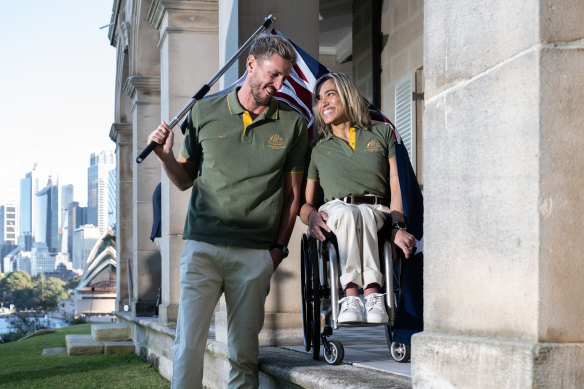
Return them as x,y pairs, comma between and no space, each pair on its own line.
205,88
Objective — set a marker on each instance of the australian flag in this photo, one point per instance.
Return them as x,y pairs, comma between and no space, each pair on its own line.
297,92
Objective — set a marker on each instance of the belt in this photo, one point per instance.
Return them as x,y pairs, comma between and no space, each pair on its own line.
363,199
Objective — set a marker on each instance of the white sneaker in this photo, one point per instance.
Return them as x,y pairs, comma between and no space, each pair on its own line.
375,308
350,309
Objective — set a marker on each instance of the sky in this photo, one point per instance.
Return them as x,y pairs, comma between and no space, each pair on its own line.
57,77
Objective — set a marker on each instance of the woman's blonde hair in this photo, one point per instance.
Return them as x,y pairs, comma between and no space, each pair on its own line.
353,103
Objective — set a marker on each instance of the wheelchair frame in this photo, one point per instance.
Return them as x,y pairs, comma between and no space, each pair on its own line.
320,285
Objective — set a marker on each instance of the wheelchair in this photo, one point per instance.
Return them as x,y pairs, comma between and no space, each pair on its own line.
320,297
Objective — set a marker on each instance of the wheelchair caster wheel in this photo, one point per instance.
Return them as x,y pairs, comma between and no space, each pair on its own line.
400,352
336,354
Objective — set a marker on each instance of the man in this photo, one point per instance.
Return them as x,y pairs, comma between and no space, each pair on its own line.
243,155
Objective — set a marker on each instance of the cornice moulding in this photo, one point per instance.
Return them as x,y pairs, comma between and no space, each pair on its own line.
118,128
143,83
159,7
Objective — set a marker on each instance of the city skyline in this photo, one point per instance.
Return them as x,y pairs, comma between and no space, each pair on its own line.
58,97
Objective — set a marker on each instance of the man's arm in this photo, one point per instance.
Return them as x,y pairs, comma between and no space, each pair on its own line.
292,185
181,172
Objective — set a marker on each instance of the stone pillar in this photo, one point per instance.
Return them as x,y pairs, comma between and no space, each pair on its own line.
237,21
503,195
121,134
144,92
188,58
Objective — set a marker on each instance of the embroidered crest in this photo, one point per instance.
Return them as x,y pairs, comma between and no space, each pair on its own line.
275,142
374,145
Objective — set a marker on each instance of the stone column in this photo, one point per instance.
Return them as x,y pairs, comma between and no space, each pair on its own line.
237,21
144,92
503,195
188,59
121,134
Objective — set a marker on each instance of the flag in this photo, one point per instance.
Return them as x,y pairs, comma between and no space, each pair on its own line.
297,93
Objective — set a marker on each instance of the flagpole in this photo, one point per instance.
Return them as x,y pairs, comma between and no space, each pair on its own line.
205,88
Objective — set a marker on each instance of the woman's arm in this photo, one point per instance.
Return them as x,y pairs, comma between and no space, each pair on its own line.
400,238
309,213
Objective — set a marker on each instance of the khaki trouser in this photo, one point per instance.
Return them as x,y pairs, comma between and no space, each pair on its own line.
356,229
206,271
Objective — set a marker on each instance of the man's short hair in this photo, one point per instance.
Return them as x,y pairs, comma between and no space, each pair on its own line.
265,45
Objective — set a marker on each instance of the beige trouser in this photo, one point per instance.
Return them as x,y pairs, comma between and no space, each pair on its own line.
206,271
356,229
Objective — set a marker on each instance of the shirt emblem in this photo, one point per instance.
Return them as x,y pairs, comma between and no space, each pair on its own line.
275,142
374,145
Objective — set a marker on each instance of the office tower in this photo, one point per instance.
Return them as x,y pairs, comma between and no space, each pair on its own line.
28,189
77,217
97,188
112,199
8,224
41,261
46,216
84,238
66,198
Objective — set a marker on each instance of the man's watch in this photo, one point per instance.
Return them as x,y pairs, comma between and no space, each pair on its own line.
398,225
282,248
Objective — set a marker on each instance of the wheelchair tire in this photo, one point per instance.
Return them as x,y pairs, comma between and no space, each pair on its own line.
315,298
400,352
336,354
306,293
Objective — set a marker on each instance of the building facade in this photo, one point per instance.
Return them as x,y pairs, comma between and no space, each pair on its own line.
100,165
487,97
8,223
84,238
46,217
28,189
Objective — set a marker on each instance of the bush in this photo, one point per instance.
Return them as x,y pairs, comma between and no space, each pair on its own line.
21,327
71,319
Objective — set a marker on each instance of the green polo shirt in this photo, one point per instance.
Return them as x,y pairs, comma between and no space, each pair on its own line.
237,197
342,171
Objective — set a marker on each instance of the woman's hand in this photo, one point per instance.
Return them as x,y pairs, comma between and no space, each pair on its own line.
404,240
316,221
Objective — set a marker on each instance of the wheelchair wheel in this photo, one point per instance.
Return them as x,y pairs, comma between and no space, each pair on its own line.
336,354
315,298
306,289
400,352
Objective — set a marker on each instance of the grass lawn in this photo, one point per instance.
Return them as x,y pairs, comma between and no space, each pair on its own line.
23,366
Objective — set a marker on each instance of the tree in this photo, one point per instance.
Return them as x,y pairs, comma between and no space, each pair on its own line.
73,282
47,293
16,288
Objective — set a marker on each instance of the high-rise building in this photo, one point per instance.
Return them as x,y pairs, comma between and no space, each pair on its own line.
77,217
97,188
66,198
28,189
41,261
112,199
8,224
46,216
84,238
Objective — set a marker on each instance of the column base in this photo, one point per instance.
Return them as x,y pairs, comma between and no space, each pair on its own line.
143,308
448,361
167,314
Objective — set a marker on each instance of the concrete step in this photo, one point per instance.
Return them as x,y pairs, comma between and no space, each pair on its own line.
110,332
119,348
83,345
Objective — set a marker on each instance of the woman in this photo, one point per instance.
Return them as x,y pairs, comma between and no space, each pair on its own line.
354,164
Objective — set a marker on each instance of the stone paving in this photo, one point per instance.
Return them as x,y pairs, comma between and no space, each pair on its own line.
366,347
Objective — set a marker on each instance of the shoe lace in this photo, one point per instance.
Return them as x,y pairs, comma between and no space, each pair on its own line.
375,301
352,302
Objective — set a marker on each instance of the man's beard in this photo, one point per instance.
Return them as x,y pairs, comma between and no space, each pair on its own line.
254,87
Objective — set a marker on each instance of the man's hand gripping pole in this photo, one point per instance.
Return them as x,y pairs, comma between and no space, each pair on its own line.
205,88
